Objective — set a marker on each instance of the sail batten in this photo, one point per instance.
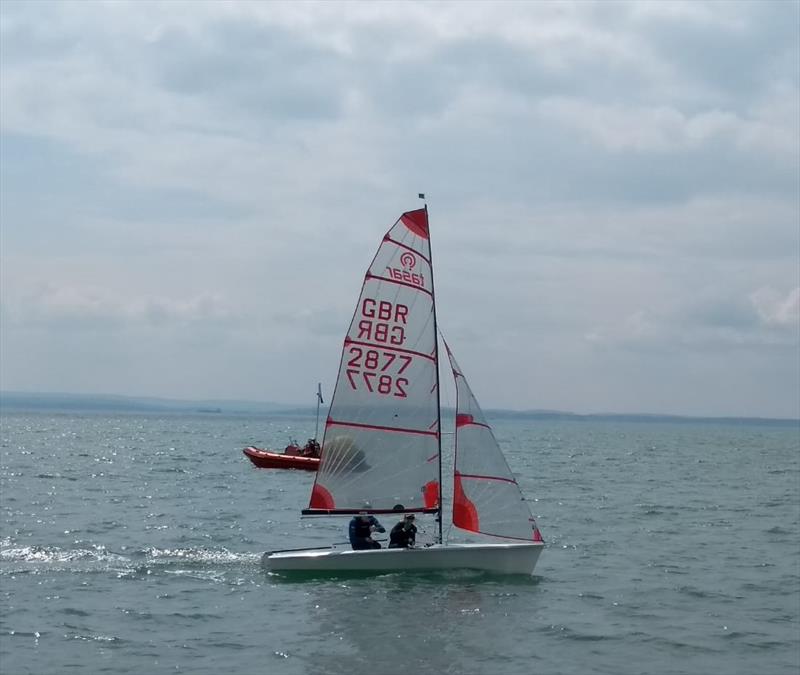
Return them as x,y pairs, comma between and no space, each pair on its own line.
482,477
408,248
342,423
398,350
399,282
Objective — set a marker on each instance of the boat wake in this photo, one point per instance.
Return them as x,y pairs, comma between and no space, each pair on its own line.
99,559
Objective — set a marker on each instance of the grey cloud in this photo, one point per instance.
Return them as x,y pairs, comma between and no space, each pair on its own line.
24,36
266,69
70,307
318,322
734,62
764,319
31,166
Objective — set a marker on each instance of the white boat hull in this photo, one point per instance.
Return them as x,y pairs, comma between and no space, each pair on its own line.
499,558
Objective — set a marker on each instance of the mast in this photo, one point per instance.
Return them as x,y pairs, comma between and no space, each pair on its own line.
438,384
319,400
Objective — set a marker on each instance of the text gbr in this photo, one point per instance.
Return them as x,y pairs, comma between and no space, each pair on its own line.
379,371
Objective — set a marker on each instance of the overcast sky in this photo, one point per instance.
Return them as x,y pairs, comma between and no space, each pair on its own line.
191,194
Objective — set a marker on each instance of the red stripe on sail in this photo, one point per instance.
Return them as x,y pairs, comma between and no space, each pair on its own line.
465,515
376,427
405,246
321,498
369,275
479,477
417,222
387,348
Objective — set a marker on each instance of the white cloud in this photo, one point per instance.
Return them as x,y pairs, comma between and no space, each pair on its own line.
664,129
89,306
776,309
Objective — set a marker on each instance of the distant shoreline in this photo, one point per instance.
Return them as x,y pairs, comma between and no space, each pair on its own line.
11,401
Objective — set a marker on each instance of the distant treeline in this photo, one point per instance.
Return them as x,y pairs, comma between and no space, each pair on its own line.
13,400
25,401
635,417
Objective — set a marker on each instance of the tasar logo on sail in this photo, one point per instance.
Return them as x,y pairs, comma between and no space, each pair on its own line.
409,262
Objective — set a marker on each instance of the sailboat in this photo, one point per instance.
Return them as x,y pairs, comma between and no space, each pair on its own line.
382,444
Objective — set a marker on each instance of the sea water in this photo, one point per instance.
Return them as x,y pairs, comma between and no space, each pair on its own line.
131,544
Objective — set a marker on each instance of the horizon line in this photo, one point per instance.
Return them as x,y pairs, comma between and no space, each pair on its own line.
297,406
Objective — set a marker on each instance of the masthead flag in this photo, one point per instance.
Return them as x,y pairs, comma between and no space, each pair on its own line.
319,392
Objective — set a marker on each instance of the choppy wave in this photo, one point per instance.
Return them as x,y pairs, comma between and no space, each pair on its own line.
669,548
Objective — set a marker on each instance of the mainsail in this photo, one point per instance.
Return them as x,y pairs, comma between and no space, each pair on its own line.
486,496
381,448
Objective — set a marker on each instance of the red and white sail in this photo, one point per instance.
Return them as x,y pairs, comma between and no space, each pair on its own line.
486,496
381,444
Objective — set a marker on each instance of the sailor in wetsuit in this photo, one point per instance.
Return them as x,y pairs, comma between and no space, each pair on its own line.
361,528
404,534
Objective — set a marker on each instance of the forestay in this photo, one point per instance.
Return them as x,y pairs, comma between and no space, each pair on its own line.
486,497
381,443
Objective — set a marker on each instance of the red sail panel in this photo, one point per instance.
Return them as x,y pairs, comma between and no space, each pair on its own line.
417,222
430,494
465,515
321,498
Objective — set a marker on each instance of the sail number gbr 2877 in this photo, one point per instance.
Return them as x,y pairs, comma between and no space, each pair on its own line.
377,370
